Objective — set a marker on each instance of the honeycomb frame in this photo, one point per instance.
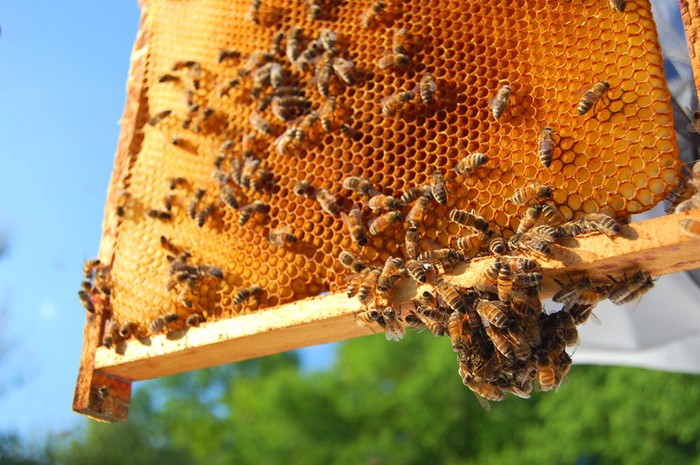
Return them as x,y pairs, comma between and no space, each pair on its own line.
453,126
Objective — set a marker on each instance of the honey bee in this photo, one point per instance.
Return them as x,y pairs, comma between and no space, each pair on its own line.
393,60
468,219
392,268
250,166
313,11
292,48
631,289
547,233
470,242
529,219
534,243
527,280
125,330
168,78
617,5
281,236
393,329
500,342
110,333
545,367
444,257
437,187
455,330
435,320
602,223
500,101
427,88
228,55
398,42
122,201
496,313
496,244
505,282
552,215
383,202
259,124
204,214
246,294
372,14
189,64
411,242
417,212
353,221
197,271
574,292
327,39
158,117
409,195
471,162
450,295
325,113
351,262
276,75
580,312
193,320
531,192
323,73
227,197
86,301
489,277
163,215
417,271
245,212
90,267
327,201
382,222
566,327
169,246
308,56
546,146
395,103
283,141
367,317
484,391
591,97
690,227
303,187
344,70
157,325
359,185
367,285
226,87
276,43
688,204
306,124
286,107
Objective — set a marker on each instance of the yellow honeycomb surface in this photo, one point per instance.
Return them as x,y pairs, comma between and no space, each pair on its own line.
620,157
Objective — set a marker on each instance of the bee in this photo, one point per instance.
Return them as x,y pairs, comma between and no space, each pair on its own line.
206,114
470,241
122,201
169,246
417,271
110,333
194,204
434,320
192,109
552,215
591,97
282,236
545,367
602,223
327,39
325,113
305,125
450,295
276,75
344,70
393,60
90,267
496,244
367,284
163,215
398,41
526,280
178,182
489,277
468,219
250,166
395,103
253,11
327,201
157,325
392,267
417,212
690,227
566,327
504,282
484,391
226,87
411,242
259,124
455,330
125,330
409,195
445,257
353,221
178,141
193,320
427,88
500,342
689,204
189,64
246,294
471,162
380,223
529,219
228,198
367,317
495,313
308,56
383,202
283,141
276,43
580,312
534,243
631,289
197,271
168,78
292,48
245,212
617,5
323,73
351,262
372,14
546,146
531,192
313,11
500,101
228,54
86,301
260,178
158,117
437,187
393,329
303,187
571,293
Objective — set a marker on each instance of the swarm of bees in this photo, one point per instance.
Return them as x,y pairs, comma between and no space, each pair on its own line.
296,90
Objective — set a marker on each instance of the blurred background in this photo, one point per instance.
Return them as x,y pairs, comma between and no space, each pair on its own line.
366,401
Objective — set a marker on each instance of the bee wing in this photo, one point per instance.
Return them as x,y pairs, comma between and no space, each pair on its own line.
483,402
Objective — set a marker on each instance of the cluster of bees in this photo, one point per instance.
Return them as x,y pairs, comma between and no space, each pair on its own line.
504,339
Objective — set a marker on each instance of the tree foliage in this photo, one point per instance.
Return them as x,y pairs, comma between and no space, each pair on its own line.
386,403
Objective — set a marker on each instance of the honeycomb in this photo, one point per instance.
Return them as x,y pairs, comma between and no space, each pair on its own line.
620,157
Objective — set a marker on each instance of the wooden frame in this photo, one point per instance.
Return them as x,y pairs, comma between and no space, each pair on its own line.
104,380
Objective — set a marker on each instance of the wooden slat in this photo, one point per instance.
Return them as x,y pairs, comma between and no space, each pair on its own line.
690,12
657,246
